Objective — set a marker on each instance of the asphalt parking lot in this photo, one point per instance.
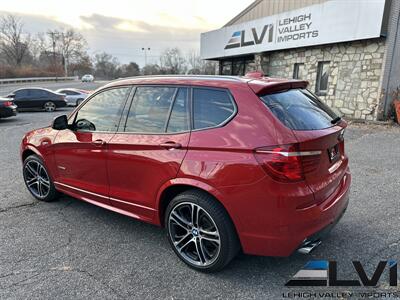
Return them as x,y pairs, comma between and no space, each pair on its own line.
73,250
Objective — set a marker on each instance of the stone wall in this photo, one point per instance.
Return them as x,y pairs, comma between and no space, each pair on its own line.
354,85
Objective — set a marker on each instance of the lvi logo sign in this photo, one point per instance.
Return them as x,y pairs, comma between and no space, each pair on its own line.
324,273
238,38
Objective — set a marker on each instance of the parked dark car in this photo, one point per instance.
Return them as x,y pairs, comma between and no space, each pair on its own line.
7,108
38,98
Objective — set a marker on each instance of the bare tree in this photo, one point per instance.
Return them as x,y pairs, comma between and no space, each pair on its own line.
131,69
14,41
196,65
172,61
67,44
106,66
82,66
151,69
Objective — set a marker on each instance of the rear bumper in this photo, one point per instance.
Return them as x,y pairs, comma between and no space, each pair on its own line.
8,111
300,225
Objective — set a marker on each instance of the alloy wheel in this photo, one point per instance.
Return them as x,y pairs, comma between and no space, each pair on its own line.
36,178
194,234
49,106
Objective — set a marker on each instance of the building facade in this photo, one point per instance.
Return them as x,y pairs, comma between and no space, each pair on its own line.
347,50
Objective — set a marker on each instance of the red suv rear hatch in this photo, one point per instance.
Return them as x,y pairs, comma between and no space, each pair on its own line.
319,132
325,181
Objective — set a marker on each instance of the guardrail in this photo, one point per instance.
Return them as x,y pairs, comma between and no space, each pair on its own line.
36,79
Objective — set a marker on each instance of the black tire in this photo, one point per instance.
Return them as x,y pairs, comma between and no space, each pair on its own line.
207,207
78,102
44,190
50,106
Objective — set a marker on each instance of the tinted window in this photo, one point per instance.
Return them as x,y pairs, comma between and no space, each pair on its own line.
211,107
150,109
39,93
299,110
103,111
179,120
22,93
68,92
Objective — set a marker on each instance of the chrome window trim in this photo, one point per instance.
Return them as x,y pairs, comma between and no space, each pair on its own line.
290,154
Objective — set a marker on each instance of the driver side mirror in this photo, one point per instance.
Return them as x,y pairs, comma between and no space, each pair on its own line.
60,123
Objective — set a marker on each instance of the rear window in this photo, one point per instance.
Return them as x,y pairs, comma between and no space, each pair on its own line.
298,109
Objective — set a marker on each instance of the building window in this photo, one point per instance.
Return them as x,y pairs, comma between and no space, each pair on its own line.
299,71
226,68
323,71
237,66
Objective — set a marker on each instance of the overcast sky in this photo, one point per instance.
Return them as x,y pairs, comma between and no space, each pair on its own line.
123,27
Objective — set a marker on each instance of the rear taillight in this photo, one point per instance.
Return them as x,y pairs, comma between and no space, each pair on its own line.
7,103
286,163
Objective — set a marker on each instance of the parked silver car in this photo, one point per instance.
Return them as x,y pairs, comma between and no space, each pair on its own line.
73,96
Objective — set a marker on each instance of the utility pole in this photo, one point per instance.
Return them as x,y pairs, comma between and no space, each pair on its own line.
54,36
145,54
64,59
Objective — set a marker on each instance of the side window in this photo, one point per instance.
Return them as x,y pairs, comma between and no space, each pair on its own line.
150,109
179,119
35,93
211,107
103,111
20,93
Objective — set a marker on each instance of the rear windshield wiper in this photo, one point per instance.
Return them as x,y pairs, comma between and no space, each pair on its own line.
335,120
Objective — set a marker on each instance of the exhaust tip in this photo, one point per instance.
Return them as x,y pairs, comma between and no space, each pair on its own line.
308,247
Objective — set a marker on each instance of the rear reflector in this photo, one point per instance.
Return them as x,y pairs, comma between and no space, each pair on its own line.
286,163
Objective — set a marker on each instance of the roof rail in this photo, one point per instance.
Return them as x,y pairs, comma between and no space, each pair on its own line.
221,77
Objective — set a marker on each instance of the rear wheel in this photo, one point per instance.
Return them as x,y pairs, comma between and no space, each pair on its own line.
200,231
37,179
78,102
49,106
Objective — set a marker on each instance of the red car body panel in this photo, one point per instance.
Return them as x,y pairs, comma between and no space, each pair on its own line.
130,173
138,166
82,162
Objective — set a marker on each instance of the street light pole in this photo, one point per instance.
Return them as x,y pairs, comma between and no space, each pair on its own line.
145,49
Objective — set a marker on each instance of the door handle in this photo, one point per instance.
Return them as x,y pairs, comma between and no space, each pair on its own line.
99,143
171,145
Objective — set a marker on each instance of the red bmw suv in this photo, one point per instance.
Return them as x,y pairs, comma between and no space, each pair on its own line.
223,163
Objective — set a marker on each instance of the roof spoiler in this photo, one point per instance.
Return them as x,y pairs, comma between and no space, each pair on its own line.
269,86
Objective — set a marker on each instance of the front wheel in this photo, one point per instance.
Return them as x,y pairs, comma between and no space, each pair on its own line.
200,231
37,179
49,106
